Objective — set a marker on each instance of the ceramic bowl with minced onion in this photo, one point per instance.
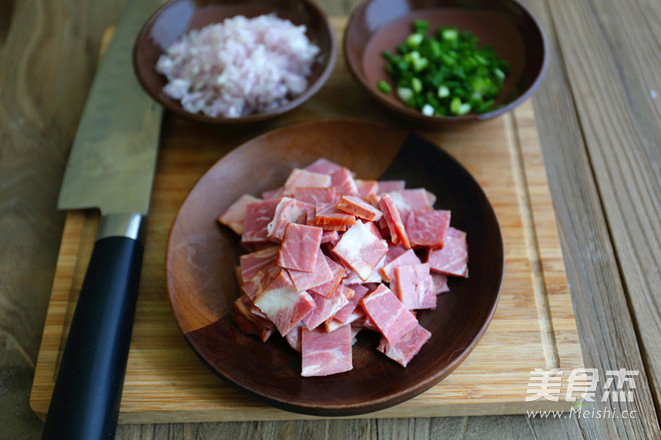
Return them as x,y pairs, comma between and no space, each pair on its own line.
440,62
232,62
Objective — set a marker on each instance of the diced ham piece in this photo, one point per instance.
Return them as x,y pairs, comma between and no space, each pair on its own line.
299,247
246,318
343,182
427,228
258,216
359,293
388,271
326,308
394,221
233,217
255,285
319,276
359,249
328,217
288,211
329,236
315,196
301,178
294,337
256,261
386,186
323,166
328,289
356,206
410,199
407,346
453,258
273,194
415,286
355,319
367,187
326,353
388,314
440,282
283,304
374,277
431,198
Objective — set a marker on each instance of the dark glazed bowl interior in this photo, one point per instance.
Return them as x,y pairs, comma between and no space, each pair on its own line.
202,287
178,17
379,25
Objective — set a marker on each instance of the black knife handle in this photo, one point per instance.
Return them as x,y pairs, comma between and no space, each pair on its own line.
85,402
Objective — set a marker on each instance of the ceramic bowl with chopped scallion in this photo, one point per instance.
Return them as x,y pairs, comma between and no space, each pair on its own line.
444,72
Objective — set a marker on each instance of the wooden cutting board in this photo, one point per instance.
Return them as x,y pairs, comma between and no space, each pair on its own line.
533,327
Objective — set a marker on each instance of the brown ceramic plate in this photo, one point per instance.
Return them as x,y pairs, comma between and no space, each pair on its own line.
178,17
201,257
517,37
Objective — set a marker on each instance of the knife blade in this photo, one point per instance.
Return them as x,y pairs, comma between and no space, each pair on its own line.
111,167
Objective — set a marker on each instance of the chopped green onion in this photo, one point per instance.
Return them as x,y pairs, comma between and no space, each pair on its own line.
416,84
405,94
420,26
450,34
428,110
384,87
443,92
414,40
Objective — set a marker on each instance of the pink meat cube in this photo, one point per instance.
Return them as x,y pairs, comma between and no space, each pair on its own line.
328,217
427,228
329,237
246,318
299,247
359,249
273,194
386,186
326,308
255,285
315,196
359,293
288,211
293,338
374,277
367,187
388,271
323,166
328,289
326,353
440,282
415,286
258,216
283,304
410,199
356,206
301,178
407,346
254,262
453,258
388,314
343,182
394,221
235,214
321,274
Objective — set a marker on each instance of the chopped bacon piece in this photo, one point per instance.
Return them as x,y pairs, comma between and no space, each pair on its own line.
299,247
359,249
374,277
328,217
294,337
301,178
246,318
329,236
358,207
255,285
367,187
288,211
388,314
394,221
391,185
315,195
440,283
273,194
415,286
356,319
258,216
388,271
359,293
407,346
323,166
326,353
319,276
410,199
343,182
427,228
328,289
254,262
326,307
394,252
453,258
236,213
283,304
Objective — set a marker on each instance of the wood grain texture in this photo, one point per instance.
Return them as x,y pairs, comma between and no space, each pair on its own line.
488,382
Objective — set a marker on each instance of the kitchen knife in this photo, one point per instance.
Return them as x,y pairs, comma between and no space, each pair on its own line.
111,167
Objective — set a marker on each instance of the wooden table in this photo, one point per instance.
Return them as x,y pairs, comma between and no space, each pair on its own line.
599,118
